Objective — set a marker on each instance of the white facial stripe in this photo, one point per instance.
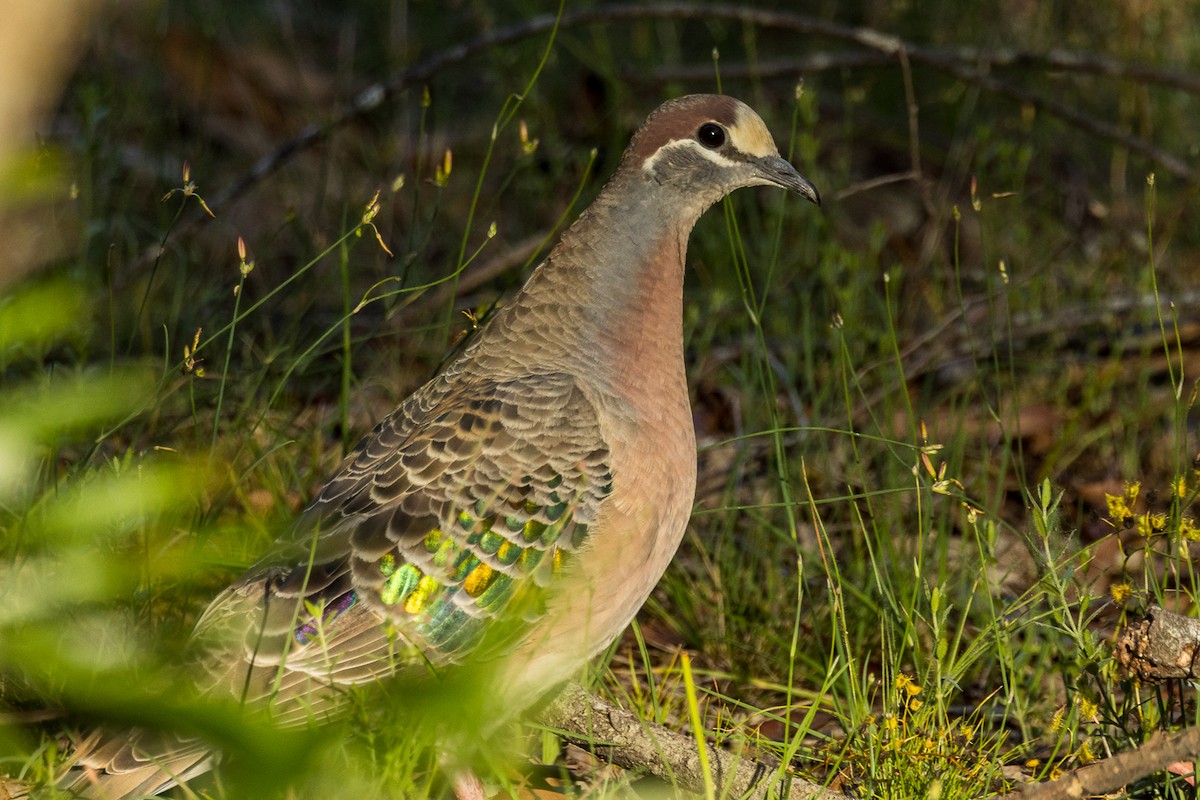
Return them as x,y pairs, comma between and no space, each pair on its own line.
691,144
750,135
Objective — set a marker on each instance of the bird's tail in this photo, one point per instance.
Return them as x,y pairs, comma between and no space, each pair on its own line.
110,765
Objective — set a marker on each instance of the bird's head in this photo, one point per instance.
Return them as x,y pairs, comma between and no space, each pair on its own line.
705,146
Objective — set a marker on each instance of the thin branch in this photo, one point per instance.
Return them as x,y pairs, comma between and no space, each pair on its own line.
1052,60
1085,63
952,61
472,278
376,95
1173,164
875,183
620,737
1110,774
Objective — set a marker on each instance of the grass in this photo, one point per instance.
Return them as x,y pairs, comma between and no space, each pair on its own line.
922,411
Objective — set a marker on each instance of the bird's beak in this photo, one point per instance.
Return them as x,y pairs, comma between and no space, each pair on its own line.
778,171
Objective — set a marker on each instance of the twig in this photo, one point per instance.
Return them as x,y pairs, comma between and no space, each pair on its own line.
619,737
1054,60
952,61
1110,774
1068,61
963,332
472,278
885,49
1176,166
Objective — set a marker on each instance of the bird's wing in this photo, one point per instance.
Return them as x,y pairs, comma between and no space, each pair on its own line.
448,523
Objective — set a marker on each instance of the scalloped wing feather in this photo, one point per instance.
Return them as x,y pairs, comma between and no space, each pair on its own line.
437,541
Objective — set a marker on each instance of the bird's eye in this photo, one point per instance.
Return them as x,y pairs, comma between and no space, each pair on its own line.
711,135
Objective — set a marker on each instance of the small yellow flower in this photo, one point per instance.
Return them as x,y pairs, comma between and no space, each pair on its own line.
1120,592
914,704
907,685
1149,524
1117,508
1057,720
1085,753
1188,530
1055,774
1088,709
1179,487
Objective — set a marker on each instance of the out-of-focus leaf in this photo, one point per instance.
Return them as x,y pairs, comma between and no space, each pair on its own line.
107,507
64,404
40,312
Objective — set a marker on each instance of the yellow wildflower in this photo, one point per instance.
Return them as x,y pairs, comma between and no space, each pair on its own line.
1188,530
1088,709
1118,509
907,685
1120,592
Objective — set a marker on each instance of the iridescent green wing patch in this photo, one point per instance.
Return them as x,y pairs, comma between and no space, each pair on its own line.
493,567
453,519
473,518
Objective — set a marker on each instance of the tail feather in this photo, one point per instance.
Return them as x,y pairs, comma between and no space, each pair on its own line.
123,766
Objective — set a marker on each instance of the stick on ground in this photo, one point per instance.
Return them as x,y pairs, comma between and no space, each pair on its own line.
620,737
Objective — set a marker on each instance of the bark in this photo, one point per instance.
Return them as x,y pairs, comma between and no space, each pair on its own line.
619,737
1161,752
1163,646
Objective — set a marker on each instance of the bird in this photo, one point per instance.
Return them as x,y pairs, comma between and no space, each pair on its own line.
518,508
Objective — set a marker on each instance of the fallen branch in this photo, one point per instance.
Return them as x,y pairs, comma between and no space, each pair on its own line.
619,737
1106,776
1163,646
